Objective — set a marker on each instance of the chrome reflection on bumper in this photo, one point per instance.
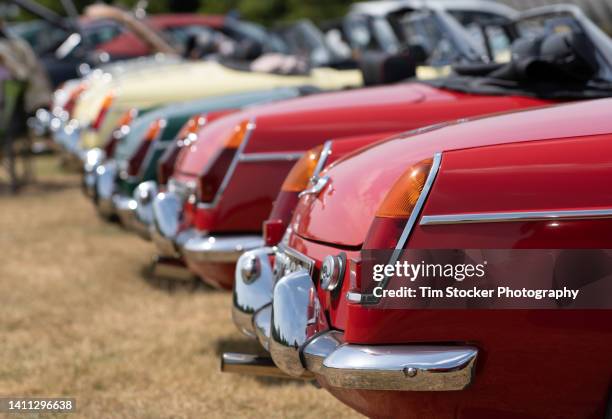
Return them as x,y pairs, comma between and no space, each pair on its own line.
93,159
262,319
144,194
125,208
166,208
220,249
68,137
406,367
105,188
252,290
295,312
302,345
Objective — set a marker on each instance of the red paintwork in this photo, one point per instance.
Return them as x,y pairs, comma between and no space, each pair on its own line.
382,165
557,158
286,201
129,44
300,124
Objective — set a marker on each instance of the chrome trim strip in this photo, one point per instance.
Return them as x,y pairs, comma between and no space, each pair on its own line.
414,215
265,157
504,217
416,212
230,171
325,152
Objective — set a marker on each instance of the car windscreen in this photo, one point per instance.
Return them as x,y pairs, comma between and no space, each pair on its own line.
443,39
570,21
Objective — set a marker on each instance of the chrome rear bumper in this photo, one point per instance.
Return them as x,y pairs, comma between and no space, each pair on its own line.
294,329
218,249
194,245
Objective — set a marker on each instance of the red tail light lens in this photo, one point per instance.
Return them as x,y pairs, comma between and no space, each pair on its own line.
120,131
152,134
273,231
296,181
390,219
106,104
186,136
211,179
74,96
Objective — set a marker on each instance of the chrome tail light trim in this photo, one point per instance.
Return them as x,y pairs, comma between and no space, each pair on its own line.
514,216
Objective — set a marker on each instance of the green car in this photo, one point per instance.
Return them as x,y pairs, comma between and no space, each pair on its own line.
115,182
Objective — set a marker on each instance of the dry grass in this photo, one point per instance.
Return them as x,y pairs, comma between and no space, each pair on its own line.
79,317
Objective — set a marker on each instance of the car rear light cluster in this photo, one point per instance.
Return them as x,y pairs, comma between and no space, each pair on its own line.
186,136
120,131
210,181
153,133
106,104
298,178
74,97
392,215
296,181
273,230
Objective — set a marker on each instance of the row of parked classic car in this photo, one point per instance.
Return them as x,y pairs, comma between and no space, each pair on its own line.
271,176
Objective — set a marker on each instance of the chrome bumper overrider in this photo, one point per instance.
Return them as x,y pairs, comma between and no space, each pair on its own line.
293,328
136,213
67,137
105,188
253,286
166,213
144,195
125,208
93,158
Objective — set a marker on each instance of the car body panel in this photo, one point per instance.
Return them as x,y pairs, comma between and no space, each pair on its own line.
381,162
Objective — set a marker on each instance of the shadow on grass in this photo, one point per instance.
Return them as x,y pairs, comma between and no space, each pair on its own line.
251,346
172,284
39,187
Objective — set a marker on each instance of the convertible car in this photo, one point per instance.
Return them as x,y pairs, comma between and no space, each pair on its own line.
213,181
102,103
135,155
320,316
99,107
106,34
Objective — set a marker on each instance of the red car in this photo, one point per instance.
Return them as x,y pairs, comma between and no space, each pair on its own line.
230,177
522,190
